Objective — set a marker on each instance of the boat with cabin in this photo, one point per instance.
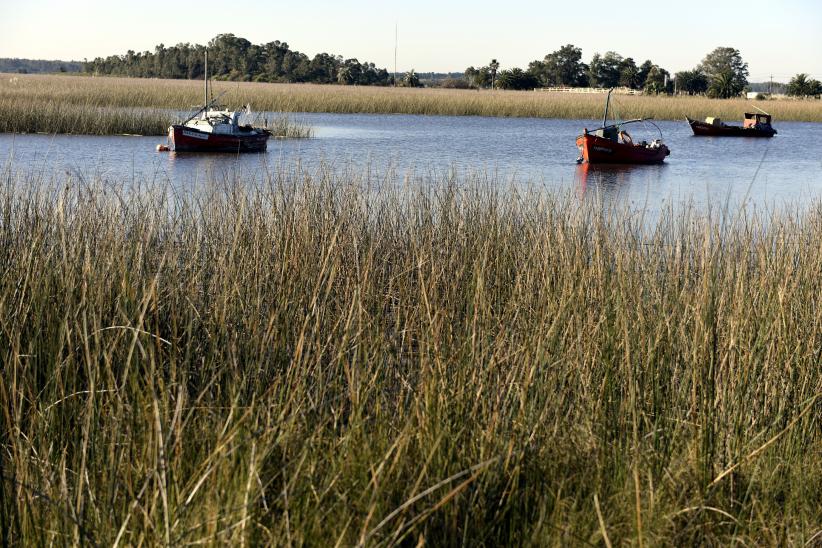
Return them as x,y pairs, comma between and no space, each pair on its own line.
753,125
214,128
611,144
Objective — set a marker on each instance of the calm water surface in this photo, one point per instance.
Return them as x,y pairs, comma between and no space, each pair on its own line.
762,173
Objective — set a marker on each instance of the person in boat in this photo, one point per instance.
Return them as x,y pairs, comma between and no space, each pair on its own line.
625,138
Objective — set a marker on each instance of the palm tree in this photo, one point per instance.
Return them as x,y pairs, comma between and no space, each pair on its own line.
798,84
493,65
722,86
803,85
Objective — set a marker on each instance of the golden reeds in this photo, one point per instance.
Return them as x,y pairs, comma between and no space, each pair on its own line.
330,358
52,106
182,94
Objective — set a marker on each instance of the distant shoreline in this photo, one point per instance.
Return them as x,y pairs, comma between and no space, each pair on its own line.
34,102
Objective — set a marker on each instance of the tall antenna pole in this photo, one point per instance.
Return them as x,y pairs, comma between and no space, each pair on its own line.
205,80
395,54
770,86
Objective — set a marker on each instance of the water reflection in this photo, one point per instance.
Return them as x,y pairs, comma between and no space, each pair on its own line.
612,180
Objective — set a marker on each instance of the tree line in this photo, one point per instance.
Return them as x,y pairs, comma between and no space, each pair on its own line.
234,58
34,66
721,73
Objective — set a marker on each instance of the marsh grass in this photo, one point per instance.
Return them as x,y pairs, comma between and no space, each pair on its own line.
48,111
323,357
182,94
287,127
23,115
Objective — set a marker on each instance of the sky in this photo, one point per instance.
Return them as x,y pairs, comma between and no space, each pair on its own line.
779,38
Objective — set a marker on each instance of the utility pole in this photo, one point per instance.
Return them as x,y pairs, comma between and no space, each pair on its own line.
395,54
770,86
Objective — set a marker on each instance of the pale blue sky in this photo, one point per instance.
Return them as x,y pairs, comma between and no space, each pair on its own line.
775,37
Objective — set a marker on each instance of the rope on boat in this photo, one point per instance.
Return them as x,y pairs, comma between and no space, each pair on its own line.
648,121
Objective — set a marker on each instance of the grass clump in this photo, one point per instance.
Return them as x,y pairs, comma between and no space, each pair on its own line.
286,127
319,358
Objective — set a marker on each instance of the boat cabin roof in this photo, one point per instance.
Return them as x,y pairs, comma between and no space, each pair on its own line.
758,116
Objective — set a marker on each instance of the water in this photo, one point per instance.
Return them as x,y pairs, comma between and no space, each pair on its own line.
760,173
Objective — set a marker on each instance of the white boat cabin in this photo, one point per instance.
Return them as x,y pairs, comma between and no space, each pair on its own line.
221,122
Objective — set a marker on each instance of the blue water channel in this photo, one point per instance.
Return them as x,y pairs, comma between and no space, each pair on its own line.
762,174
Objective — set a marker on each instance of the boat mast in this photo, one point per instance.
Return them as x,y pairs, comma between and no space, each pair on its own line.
205,80
607,102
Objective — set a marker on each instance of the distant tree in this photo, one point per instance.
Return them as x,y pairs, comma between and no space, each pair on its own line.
478,77
657,81
723,86
692,82
38,65
516,79
411,80
629,74
344,76
234,58
494,66
323,68
727,72
768,87
803,85
603,72
456,83
563,67
370,75
642,73
471,76
350,72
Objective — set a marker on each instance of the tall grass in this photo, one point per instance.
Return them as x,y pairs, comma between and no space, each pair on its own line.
26,115
324,358
181,94
28,111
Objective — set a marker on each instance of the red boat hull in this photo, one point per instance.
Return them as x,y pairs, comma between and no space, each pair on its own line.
598,150
187,139
703,129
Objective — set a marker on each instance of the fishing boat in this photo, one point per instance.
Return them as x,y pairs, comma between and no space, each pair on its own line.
753,125
611,144
213,128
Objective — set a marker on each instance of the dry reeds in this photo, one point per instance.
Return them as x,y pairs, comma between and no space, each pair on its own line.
182,94
320,358
51,106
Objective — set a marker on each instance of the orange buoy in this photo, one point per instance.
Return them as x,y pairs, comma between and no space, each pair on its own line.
162,148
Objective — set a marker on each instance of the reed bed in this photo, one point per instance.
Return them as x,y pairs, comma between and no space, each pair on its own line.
182,94
326,357
24,115
42,112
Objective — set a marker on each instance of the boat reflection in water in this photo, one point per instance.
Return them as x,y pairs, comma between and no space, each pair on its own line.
613,179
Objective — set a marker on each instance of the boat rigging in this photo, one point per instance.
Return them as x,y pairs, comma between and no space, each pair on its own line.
215,129
610,144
